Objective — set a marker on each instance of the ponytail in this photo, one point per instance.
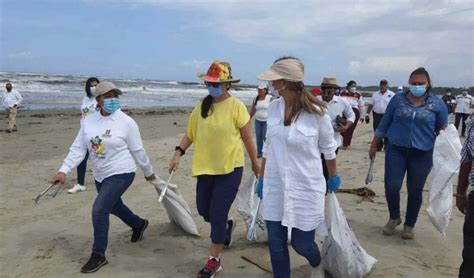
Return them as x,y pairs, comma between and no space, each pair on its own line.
206,106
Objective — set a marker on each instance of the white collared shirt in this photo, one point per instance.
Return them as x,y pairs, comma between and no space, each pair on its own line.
294,185
88,106
113,143
339,107
463,104
380,101
11,99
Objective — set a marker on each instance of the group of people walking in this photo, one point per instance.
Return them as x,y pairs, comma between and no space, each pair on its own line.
298,137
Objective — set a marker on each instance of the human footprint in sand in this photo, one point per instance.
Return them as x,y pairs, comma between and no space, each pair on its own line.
114,142
217,126
411,123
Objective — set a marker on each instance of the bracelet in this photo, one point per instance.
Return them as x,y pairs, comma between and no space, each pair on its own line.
178,148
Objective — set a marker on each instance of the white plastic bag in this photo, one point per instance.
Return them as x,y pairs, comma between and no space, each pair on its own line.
342,255
446,162
247,200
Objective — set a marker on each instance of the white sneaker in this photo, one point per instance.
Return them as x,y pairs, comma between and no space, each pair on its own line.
317,272
76,188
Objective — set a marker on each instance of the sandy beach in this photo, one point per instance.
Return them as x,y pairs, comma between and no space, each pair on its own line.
54,238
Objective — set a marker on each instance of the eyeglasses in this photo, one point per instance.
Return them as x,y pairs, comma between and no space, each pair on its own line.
215,85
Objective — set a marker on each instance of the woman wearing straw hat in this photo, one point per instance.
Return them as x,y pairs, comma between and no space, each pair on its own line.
260,111
113,140
291,184
217,126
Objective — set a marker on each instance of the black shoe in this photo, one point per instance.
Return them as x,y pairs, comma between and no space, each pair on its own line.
229,232
138,233
94,263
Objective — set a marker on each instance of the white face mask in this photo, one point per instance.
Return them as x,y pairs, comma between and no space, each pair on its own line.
353,89
272,90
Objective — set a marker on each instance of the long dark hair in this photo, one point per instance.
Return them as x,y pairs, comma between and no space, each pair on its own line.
422,71
88,84
206,105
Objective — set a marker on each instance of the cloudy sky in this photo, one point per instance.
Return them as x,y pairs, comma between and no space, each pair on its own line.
172,39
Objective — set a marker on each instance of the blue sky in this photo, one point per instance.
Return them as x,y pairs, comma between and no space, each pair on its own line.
173,40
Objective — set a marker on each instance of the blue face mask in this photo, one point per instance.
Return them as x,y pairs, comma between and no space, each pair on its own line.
92,90
111,105
418,90
214,91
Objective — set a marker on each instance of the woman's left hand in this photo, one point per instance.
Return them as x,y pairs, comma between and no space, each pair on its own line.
334,182
151,177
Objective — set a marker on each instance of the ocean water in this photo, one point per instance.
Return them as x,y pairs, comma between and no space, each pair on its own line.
52,91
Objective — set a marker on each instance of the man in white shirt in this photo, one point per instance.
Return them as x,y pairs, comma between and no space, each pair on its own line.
463,110
340,112
377,106
11,100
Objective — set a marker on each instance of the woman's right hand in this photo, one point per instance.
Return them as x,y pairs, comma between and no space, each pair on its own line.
174,162
58,178
372,152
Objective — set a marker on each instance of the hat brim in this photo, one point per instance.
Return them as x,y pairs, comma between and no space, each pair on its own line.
210,79
115,90
329,85
269,75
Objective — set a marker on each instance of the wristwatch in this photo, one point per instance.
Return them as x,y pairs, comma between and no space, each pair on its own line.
178,148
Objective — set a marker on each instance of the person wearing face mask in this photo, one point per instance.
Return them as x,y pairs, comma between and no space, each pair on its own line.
11,101
411,123
291,184
449,100
88,107
217,126
260,111
462,109
113,140
356,101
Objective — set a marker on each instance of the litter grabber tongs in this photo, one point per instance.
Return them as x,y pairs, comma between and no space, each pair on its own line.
37,198
163,192
368,179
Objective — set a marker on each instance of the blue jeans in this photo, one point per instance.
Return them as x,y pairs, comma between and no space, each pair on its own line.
261,133
109,201
302,242
81,170
417,165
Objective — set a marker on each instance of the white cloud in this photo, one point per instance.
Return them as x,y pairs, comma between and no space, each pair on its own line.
196,63
20,55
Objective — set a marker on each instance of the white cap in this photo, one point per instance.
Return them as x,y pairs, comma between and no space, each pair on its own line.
400,88
262,86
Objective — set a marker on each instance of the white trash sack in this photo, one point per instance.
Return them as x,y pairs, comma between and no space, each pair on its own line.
342,255
446,162
247,201
176,207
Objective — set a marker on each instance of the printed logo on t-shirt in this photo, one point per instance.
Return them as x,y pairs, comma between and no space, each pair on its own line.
107,134
98,147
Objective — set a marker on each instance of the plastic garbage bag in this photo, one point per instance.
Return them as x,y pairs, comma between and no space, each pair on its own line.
176,207
446,163
342,255
247,201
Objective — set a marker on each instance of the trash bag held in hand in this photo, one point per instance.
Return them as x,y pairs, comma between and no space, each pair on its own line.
342,255
247,201
446,162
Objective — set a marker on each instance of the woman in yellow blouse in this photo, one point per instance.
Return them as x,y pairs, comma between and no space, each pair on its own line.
217,126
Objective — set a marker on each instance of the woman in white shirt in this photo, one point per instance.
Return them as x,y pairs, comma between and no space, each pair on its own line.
87,108
113,140
291,184
260,111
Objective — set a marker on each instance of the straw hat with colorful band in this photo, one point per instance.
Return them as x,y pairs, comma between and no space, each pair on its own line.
219,72
289,69
329,82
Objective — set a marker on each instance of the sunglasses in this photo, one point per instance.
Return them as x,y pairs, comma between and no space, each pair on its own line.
214,85
327,91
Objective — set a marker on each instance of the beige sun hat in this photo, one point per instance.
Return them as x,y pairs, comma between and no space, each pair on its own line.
105,87
290,69
329,82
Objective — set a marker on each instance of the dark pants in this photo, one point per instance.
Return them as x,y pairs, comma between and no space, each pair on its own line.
461,117
417,165
260,134
325,168
214,197
109,201
302,242
347,135
81,170
467,267
384,141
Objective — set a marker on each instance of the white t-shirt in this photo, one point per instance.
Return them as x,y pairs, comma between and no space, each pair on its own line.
88,106
113,143
11,99
261,107
380,101
463,104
